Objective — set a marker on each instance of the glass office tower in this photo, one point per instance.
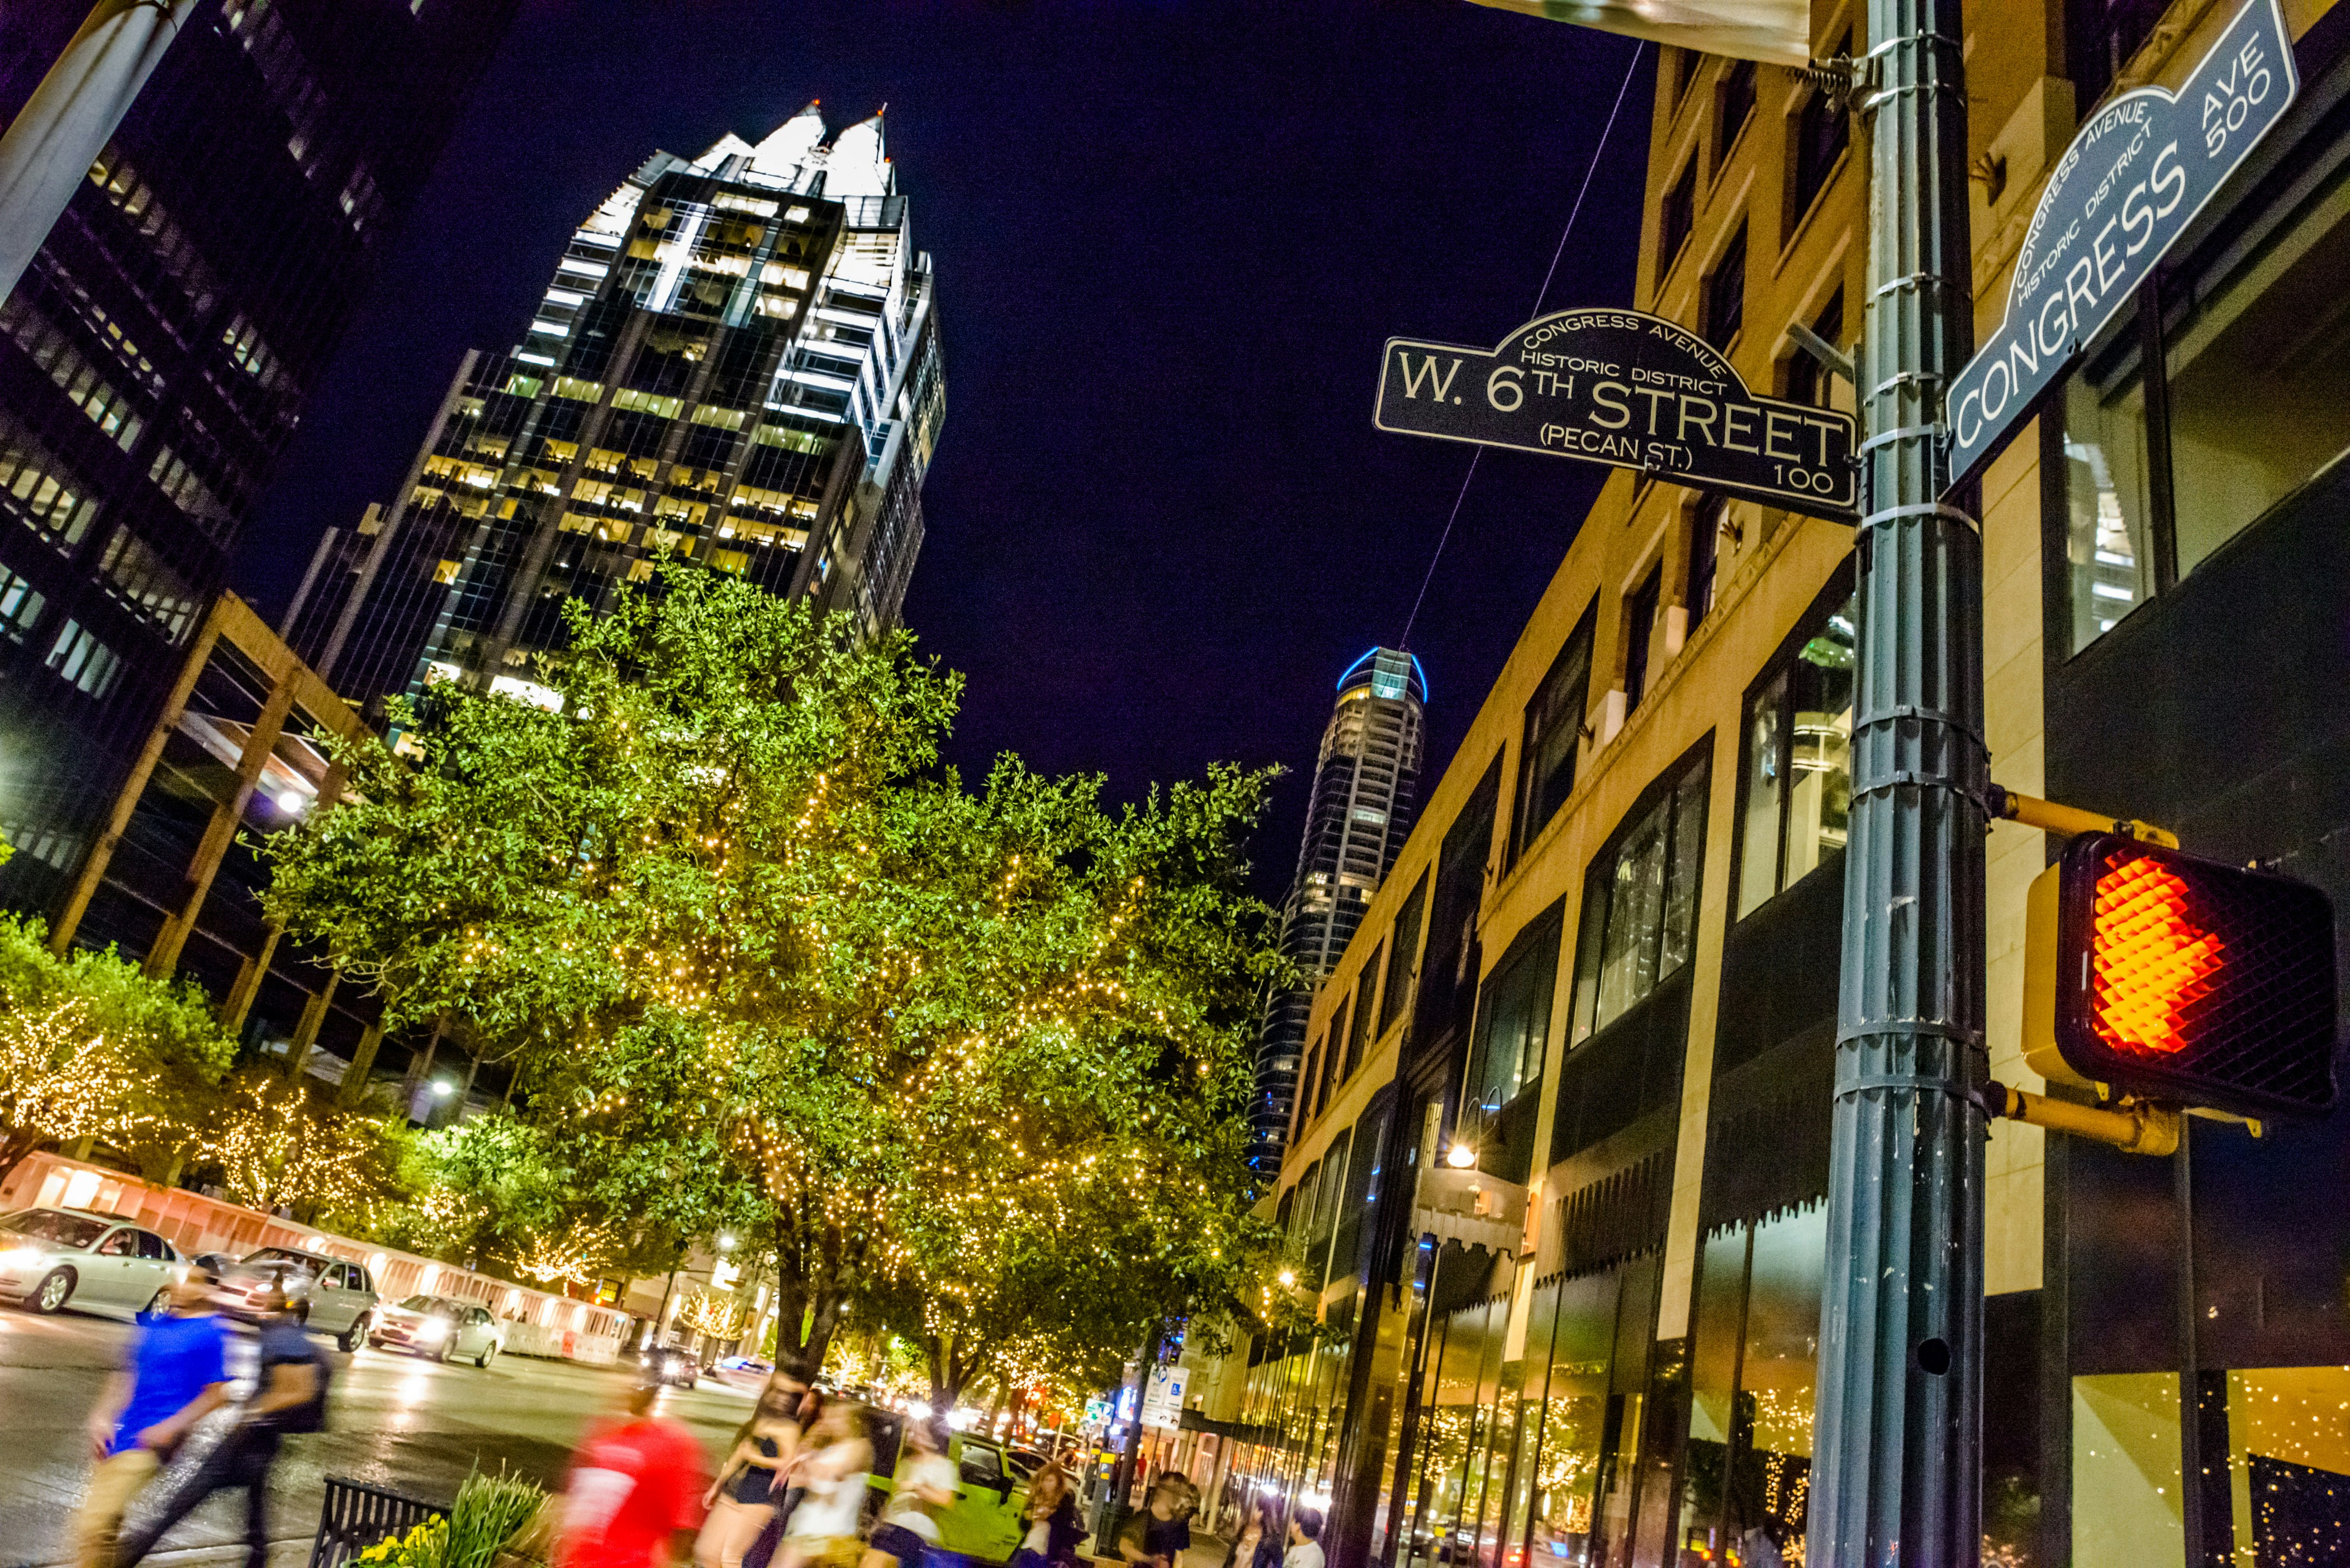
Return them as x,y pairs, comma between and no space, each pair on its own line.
736,363
156,355
1357,818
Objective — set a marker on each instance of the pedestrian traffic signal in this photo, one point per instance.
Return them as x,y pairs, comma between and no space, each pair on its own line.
2176,979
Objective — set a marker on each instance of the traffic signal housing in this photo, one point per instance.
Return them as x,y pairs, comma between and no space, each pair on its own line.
2175,979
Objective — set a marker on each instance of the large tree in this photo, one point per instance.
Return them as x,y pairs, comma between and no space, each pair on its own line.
766,966
92,1047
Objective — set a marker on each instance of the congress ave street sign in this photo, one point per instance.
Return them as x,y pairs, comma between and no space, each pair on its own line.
1627,388
2123,192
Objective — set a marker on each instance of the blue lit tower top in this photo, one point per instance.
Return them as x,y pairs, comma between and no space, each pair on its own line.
1365,785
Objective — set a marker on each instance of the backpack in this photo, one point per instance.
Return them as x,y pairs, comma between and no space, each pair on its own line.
280,1349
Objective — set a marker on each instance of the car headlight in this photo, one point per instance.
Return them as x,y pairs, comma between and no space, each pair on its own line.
433,1328
20,1257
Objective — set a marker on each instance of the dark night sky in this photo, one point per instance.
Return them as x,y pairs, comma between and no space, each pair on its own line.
1170,239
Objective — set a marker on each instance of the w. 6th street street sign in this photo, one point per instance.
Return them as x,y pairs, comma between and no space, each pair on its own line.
1629,389
2121,195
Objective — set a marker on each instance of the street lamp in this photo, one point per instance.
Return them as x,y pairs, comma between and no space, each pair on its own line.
291,802
442,1089
725,1242
1462,1156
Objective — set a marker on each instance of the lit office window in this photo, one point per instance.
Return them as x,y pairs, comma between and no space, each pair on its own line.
1798,779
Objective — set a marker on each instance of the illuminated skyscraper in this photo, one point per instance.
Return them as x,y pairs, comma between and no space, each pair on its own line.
1356,820
156,355
737,363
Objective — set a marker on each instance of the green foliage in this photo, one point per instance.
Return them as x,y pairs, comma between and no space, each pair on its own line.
162,1051
283,1145
766,969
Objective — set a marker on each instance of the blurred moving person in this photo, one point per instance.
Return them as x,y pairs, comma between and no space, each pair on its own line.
908,1524
1159,1535
745,1496
173,1373
635,1485
1052,1527
1304,1539
289,1395
831,1472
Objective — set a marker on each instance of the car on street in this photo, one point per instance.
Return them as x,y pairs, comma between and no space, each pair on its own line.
50,1258
743,1371
672,1365
440,1328
327,1294
984,1524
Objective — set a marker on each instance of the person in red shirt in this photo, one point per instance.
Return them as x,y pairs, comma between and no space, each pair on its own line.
634,1485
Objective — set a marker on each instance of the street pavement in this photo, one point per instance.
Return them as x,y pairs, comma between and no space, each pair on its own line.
413,1426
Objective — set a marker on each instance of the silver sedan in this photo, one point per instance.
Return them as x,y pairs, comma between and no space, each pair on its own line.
50,1258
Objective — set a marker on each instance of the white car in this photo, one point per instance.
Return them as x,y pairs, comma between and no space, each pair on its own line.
52,1257
440,1328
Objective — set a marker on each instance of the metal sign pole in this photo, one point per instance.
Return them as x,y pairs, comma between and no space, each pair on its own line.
1896,1466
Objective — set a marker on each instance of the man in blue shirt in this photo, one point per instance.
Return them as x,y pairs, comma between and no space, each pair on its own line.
173,1376
290,1397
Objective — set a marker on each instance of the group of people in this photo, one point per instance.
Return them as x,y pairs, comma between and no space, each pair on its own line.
199,1405
790,1492
202,1403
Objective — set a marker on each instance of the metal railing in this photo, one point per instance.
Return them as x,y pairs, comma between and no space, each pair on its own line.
355,1517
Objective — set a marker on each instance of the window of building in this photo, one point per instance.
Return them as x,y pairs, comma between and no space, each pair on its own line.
1639,631
20,606
1505,1057
1808,380
1358,1030
1330,1057
1395,991
1712,516
1553,737
2100,38
2249,339
1639,913
1797,784
1725,294
1818,138
1677,219
1685,63
1735,106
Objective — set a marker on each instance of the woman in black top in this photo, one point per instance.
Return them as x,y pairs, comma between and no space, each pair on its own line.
744,1497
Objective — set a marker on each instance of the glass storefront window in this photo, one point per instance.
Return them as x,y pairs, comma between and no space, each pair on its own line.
1798,781
1753,1367
1575,1319
1640,912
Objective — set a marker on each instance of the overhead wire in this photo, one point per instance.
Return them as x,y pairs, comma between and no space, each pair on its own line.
1404,643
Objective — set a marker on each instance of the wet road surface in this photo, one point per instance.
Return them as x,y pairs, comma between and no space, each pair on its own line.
414,1426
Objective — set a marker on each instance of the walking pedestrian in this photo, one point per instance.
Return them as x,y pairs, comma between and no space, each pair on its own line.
174,1373
1053,1528
288,1395
908,1524
635,1485
1304,1539
744,1497
1161,1533
832,1469
1258,1545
